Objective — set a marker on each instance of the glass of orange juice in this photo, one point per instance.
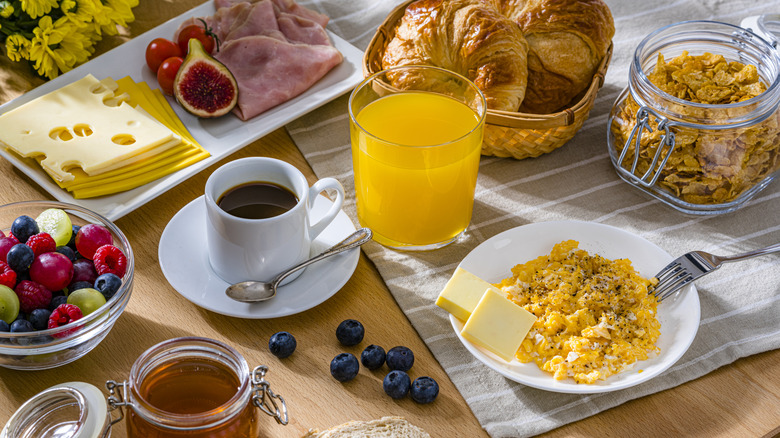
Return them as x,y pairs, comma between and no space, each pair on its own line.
416,134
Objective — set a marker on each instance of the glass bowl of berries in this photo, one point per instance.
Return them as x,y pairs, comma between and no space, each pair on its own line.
66,274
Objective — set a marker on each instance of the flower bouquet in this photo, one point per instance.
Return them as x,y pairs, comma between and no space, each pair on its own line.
57,35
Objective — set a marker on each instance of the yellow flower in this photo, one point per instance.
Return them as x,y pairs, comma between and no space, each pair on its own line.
17,47
6,9
57,47
79,12
117,12
36,8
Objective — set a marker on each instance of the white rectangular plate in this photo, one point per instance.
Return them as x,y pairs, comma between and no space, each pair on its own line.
221,137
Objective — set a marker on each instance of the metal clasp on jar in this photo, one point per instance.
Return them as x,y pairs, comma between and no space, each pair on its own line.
265,399
666,144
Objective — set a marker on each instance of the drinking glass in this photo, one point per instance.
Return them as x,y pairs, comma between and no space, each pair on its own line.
416,134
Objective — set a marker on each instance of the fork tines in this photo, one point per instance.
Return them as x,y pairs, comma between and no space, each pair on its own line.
671,279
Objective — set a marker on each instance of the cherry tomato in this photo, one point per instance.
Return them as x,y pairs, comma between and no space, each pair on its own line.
167,73
201,33
159,50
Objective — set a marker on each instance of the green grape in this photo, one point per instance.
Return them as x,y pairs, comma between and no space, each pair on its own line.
57,223
9,304
87,299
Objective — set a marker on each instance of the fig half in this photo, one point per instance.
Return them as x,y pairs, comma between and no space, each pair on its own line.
203,85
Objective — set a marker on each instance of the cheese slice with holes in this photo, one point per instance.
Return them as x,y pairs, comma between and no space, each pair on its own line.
83,124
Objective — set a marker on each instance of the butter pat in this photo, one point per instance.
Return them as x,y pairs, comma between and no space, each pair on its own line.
498,324
462,293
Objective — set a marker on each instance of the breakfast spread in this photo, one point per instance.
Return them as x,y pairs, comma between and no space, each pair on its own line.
706,166
528,56
53,273
576,315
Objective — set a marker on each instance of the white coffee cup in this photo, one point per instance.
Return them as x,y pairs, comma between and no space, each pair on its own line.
242,249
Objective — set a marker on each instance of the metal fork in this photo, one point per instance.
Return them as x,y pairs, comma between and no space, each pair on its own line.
688,267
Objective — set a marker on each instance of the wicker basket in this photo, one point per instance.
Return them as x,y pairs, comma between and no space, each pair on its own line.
507,134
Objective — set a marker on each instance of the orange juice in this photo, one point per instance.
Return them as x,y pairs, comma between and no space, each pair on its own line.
415,162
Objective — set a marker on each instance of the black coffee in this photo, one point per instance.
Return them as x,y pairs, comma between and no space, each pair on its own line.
257,200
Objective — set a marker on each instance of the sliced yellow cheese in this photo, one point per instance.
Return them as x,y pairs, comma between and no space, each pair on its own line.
498,325
462,293
83,124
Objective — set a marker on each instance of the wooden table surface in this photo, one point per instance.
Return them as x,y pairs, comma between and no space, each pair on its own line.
741,399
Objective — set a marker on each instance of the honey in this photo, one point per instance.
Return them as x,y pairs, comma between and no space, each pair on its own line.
191,388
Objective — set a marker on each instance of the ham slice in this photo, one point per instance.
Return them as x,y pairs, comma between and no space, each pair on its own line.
245,19
270,71
287,6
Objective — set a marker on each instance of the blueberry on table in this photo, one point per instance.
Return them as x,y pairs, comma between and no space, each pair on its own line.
23,227
108,284
350,332
424,390
282,344
344,367
373,357
4,326
400,358
396,384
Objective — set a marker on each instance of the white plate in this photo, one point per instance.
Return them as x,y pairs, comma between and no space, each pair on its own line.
185,264
221,137
679,315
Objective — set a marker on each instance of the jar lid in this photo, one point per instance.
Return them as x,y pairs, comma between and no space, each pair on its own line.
766,26
68,410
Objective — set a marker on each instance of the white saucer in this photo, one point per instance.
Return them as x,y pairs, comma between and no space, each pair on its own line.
185,264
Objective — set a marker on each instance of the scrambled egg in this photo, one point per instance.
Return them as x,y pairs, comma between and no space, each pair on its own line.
595,317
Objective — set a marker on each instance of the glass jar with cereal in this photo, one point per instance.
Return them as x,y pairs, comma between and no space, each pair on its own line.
698,126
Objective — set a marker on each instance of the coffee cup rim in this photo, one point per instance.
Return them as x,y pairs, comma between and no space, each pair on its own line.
302,194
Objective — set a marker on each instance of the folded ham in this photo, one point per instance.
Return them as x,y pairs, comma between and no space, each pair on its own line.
270,71
276,50
288,6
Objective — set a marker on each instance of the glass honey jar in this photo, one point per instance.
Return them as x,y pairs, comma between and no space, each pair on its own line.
691,153
184,387
196,388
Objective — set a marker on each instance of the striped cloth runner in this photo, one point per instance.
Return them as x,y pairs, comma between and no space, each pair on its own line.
740,303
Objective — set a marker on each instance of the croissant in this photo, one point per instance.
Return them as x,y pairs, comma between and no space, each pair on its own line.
468,37
567,40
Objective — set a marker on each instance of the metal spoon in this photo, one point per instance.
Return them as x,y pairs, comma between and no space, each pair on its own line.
254,291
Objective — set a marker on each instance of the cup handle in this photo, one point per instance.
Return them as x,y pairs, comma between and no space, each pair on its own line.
315,190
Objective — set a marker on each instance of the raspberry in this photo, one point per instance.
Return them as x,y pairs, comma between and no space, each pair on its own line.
110,260
41,243
7,275
32,296
64,314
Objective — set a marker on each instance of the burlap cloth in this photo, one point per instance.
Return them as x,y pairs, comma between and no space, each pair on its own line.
740,303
